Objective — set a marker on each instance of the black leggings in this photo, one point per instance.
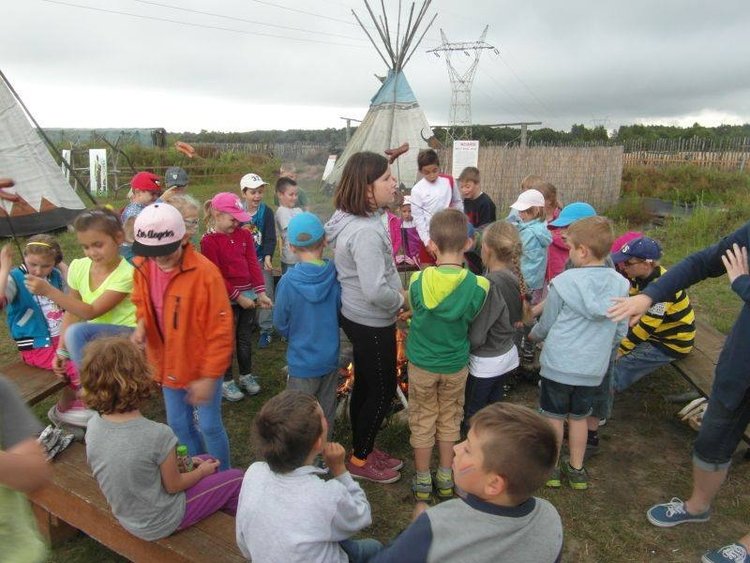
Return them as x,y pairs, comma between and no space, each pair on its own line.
244,321
374,381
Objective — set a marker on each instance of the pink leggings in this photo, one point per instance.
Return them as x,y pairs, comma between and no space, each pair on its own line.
45,357
218,491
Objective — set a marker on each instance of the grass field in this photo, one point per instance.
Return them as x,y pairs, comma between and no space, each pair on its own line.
645,454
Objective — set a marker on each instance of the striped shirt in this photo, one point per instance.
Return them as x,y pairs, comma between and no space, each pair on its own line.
668,325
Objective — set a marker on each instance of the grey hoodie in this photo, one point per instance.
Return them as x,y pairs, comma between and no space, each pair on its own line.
579,338
370,285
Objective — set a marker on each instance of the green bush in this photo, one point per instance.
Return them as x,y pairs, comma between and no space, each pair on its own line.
685,183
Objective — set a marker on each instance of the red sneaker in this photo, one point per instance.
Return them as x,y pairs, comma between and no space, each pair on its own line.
383,459
374,472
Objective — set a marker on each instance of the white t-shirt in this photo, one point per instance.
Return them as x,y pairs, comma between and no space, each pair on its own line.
493,366
427,198
283,217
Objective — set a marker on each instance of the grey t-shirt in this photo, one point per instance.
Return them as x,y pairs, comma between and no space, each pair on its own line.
125,458
17,422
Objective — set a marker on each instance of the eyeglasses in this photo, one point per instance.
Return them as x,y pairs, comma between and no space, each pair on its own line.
191,223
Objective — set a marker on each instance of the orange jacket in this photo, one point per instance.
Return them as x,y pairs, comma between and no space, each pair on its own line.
198,326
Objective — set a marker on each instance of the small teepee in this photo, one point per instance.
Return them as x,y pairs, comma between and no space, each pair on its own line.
42,199
394,116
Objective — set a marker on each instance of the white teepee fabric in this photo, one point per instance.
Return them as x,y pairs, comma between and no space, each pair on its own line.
394,118
47,201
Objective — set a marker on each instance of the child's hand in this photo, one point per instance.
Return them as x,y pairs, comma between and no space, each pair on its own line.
37,286
245,302
404,316
267,265
139,335
206,466
735,262
264,302
6,257
58,366
419,508
333,455
201,390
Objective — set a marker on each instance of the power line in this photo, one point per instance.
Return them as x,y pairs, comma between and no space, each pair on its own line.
528,89
266,3
202,26
234,18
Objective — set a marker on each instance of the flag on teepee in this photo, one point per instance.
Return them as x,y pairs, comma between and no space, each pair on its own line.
45,200
395,116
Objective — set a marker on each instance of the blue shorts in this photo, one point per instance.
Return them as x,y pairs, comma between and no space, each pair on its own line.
720,434
560,400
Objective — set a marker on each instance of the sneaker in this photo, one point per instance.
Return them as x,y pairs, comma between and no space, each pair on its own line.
265,340
673,513
231,392
554,479
602,422
578,478
73,417
444,486
422,489
591,449
386,460
373,472
250,384
734,553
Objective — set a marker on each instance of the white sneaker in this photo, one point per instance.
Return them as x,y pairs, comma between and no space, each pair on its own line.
250,384
231,392
73,417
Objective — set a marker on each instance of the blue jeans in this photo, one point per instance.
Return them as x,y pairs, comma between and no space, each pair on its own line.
635,365
199,428
480,392
79,334
560,400
604,394
720,433
361,551
264,317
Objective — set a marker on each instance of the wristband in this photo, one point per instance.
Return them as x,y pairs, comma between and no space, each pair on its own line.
63,353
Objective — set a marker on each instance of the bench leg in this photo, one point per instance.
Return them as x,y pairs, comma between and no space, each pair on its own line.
54,530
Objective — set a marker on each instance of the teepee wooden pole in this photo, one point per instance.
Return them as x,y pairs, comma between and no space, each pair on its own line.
371,39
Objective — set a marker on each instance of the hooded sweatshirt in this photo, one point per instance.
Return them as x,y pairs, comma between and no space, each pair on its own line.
306,314
579,338
445,300
370,285
535,238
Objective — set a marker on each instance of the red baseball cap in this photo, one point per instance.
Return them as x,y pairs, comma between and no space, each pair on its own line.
146,182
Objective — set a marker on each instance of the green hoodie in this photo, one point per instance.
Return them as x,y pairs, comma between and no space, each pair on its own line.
444,301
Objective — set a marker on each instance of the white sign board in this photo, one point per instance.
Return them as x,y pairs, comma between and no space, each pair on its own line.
98,171
329,166
465,153
65,153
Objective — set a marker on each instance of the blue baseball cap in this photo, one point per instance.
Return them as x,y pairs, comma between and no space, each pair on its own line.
305,229
572,213
644,248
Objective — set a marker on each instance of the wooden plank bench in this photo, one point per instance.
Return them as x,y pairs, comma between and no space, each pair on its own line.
33,383
698,368
74,502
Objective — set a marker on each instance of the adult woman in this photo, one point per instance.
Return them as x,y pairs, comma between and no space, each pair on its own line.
371,296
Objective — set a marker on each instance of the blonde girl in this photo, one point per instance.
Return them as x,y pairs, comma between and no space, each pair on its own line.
493,333
35,321
232,249
535,238
98,302
134,459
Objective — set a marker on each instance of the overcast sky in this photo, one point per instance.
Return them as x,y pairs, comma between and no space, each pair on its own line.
281,64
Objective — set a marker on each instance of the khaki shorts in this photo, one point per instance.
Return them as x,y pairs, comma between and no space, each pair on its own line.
436,406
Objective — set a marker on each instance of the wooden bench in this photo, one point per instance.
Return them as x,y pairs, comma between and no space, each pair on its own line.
698,368
33,383
74,502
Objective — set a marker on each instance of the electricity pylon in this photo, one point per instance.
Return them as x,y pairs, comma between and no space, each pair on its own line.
460,115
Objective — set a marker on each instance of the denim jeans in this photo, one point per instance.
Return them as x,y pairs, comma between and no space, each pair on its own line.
641,361
79,334
244,321
199,428
720,433
480,392
361,551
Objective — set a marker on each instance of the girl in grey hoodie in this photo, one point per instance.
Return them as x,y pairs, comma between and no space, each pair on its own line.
371,296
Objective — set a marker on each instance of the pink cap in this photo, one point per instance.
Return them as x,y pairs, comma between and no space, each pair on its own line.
158,230
226,202
528,199
624,239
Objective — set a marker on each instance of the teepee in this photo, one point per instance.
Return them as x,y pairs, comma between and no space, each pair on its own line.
394,116
42,199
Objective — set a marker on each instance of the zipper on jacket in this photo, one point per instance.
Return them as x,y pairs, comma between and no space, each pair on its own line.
176,312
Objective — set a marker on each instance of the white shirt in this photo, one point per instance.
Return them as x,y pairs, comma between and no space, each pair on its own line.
427,198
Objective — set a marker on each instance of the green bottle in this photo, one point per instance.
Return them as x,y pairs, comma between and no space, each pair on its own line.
184,461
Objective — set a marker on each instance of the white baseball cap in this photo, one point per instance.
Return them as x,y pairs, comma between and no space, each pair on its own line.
251,182
527,199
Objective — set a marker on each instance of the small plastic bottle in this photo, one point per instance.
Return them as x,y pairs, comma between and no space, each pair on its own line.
184,461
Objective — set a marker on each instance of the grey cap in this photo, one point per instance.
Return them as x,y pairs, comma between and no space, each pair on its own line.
176,176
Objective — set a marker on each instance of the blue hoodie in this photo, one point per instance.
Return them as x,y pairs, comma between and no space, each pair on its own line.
305,312
578,336
535,238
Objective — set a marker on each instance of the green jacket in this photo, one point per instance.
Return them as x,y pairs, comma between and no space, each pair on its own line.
444,301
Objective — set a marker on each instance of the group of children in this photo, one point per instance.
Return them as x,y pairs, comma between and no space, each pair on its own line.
190,310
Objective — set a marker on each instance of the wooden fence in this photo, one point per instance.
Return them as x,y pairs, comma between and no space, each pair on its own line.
592,174
726,160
